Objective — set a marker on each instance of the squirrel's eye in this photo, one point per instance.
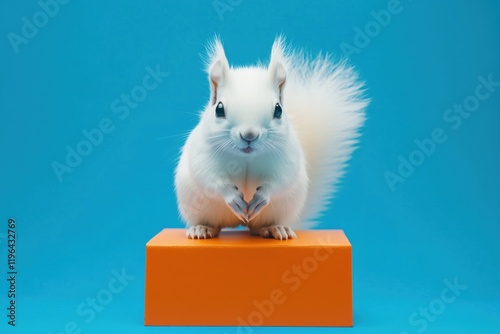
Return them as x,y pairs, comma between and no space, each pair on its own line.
219,111
277,111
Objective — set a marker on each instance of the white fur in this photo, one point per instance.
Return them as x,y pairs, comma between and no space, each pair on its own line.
297,160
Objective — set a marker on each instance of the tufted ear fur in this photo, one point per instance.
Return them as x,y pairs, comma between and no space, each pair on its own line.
218,69
277,65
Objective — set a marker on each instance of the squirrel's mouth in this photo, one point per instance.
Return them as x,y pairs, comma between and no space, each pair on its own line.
247,149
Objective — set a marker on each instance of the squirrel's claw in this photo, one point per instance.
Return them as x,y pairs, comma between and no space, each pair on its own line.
237,204
259,201
202,232
277,232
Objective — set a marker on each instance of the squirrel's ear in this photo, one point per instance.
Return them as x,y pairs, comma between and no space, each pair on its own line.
218,69
279,75
277,65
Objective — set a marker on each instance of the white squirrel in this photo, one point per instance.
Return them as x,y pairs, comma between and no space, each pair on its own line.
271,144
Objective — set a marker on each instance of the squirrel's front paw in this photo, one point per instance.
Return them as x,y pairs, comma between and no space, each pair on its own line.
259,201
234,199
202,232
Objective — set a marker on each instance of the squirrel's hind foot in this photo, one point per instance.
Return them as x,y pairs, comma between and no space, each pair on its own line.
202,232
276,232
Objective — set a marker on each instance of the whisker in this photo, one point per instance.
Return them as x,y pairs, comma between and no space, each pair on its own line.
186,112
174,136
275,147
221,148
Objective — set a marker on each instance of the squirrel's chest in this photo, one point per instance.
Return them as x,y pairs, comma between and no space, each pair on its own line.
249,174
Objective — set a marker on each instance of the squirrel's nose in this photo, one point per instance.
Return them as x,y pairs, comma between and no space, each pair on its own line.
249,136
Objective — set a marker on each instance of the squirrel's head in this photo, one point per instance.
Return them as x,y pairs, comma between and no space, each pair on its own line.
245,114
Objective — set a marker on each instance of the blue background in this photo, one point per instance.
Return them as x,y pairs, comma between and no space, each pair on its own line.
441,223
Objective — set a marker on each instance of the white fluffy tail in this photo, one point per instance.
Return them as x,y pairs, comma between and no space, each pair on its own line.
326,107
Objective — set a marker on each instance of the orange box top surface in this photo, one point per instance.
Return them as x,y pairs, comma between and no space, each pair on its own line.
242,238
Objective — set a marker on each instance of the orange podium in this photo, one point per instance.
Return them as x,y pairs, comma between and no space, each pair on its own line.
241,280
